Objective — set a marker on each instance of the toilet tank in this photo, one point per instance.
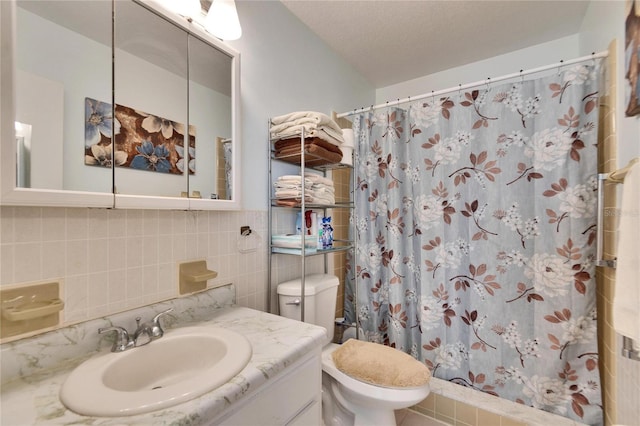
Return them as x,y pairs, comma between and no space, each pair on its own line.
320,292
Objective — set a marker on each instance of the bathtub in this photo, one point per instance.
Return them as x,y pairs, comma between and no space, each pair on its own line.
455,404
459,405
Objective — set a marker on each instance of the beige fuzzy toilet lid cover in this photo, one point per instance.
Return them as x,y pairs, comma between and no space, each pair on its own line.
380,365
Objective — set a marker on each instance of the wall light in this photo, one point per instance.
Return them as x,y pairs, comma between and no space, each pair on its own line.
222,20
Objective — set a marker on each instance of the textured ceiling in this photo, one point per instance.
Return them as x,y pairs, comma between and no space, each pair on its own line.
390,41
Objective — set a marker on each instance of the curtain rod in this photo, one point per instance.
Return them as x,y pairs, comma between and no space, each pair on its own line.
522,73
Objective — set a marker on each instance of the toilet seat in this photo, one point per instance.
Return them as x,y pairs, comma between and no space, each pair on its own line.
367,391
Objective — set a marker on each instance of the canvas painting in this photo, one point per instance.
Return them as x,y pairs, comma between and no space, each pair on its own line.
142,141
632,58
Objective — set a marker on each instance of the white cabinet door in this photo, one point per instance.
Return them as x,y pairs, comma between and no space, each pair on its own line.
293,397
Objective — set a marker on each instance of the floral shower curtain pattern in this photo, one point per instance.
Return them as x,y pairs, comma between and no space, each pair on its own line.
475,218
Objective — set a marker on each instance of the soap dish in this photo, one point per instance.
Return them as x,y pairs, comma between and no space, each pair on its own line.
32,310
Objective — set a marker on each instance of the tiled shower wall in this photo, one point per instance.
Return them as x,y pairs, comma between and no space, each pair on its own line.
621,376
114,260
343,181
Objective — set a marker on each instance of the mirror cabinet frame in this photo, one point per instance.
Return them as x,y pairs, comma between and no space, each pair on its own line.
12,195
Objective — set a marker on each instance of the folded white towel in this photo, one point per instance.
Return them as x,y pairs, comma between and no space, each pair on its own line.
292,180
319,118
310,199
292,241
292,184
327,134
322,200
318,179
307,122
322,191
291,193
349,138
626,301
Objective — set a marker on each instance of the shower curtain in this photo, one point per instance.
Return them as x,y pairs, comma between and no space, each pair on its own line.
475,220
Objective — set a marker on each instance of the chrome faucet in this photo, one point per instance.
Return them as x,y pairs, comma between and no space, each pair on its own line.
152,330
144,334
122,342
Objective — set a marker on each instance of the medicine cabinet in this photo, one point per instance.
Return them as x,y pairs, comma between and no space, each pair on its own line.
115,104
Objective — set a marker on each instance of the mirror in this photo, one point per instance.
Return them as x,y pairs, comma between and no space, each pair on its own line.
49,99
175,91
151,93
210,109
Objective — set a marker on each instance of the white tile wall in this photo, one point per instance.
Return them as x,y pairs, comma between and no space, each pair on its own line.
114,260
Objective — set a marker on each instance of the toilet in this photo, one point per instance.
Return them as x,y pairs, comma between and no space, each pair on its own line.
345,400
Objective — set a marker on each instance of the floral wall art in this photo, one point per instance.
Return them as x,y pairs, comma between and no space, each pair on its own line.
143,141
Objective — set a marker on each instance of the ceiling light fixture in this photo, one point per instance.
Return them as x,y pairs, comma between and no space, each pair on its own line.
222,20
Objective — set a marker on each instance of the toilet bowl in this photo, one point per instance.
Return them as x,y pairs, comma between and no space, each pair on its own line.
345,401
369,404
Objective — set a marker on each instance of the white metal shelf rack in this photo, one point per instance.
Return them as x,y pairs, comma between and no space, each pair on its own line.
301,159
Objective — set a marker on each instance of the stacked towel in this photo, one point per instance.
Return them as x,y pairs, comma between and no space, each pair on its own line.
317,190
315,125
318,152
292,241
626,301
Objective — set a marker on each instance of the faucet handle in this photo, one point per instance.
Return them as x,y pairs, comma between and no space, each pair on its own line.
122,342
156,330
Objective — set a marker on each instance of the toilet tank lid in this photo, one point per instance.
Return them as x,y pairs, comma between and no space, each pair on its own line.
313,284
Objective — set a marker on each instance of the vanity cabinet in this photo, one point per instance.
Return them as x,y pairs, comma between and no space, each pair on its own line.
292,398
280,385
304,161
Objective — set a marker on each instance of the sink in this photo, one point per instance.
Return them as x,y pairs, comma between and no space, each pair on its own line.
184,364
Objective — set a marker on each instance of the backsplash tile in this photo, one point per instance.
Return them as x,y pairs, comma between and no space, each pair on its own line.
114,260
28,357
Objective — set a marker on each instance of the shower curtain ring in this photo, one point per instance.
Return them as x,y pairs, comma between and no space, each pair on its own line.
560,65
488,82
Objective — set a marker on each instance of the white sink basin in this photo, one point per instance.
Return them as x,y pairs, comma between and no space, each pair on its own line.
184,364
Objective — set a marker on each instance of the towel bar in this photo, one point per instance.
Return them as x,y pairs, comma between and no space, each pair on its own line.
608,263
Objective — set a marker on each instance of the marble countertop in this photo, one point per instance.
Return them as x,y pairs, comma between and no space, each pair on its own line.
31,395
